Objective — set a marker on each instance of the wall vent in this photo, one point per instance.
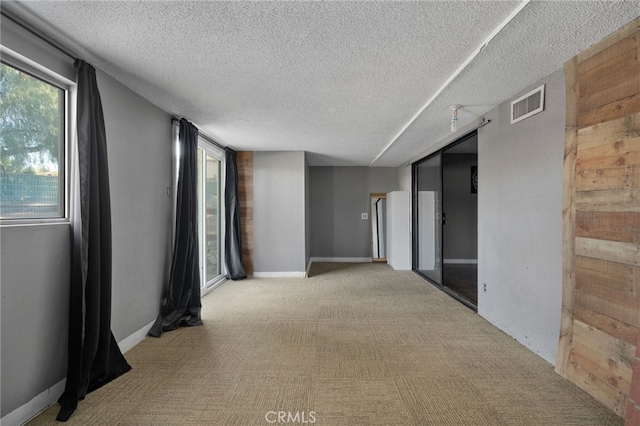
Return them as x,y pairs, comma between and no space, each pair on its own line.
527,105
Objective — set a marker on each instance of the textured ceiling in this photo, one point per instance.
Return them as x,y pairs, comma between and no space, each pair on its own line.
352,83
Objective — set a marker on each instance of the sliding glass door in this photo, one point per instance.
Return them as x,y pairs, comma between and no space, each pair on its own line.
210,163
445,241
428,219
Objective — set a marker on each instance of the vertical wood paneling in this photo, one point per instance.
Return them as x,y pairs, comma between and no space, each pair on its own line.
245,193
568,221
601,234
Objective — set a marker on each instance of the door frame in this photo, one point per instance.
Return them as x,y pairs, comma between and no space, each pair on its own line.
414,219
207,285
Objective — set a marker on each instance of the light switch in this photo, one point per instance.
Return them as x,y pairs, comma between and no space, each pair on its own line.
365,216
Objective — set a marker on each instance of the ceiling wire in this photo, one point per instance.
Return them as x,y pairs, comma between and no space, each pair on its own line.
457,72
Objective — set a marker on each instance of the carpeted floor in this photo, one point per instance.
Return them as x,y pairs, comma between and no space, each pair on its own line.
354,344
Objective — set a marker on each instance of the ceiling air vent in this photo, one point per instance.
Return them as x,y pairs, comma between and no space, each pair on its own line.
527,105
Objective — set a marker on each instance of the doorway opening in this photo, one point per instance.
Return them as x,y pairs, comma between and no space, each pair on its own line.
445,219
378,203
460,224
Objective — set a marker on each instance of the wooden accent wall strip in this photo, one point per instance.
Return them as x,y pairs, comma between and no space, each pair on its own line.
245,193
610,74
612,275
568,220
633,404
608,325
609,41
614,226
601,219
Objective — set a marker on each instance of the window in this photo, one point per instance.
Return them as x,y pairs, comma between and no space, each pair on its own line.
32,145
209,210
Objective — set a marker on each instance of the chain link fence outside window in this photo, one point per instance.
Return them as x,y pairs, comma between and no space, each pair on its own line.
29,196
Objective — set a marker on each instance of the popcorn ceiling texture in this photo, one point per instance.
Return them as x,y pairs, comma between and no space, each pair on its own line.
340,80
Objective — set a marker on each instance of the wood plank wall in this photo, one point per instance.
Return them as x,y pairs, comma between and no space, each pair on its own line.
245,193
601,219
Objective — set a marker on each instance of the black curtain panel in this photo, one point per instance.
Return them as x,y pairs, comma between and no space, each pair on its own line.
94,357
182,307
233,240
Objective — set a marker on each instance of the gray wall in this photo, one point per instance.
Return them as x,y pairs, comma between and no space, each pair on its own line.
460,231
338,196
520,221
279,212
404,178
139,137
35,306
307,210
35,259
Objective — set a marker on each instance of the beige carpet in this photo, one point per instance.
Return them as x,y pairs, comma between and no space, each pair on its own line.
354,344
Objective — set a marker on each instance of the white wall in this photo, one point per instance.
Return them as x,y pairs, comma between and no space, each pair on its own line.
398,230
520,170
279,234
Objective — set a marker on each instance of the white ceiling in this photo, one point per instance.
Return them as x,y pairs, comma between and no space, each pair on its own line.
352,83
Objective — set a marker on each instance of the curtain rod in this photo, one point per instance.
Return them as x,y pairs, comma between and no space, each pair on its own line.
202,135
36,32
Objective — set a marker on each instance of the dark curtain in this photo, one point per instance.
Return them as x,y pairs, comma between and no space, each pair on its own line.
233,240
183,306
94,357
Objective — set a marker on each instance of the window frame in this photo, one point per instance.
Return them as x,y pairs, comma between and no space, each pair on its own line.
217,153
69,88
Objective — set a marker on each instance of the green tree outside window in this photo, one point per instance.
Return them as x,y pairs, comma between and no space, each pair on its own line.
31,130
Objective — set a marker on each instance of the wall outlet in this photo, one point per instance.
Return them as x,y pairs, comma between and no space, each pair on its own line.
364,216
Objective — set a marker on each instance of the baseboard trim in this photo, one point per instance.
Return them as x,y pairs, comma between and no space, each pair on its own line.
129,342
342,259
286,274
467,261
42,401
400,266
38,404
308,267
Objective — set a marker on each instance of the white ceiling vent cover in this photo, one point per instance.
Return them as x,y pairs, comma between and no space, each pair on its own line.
527,105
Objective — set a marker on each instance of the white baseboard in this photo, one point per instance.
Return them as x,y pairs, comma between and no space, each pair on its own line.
28,411
400,266
129,342
341,259
286,274
41,402
467,261
306,273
